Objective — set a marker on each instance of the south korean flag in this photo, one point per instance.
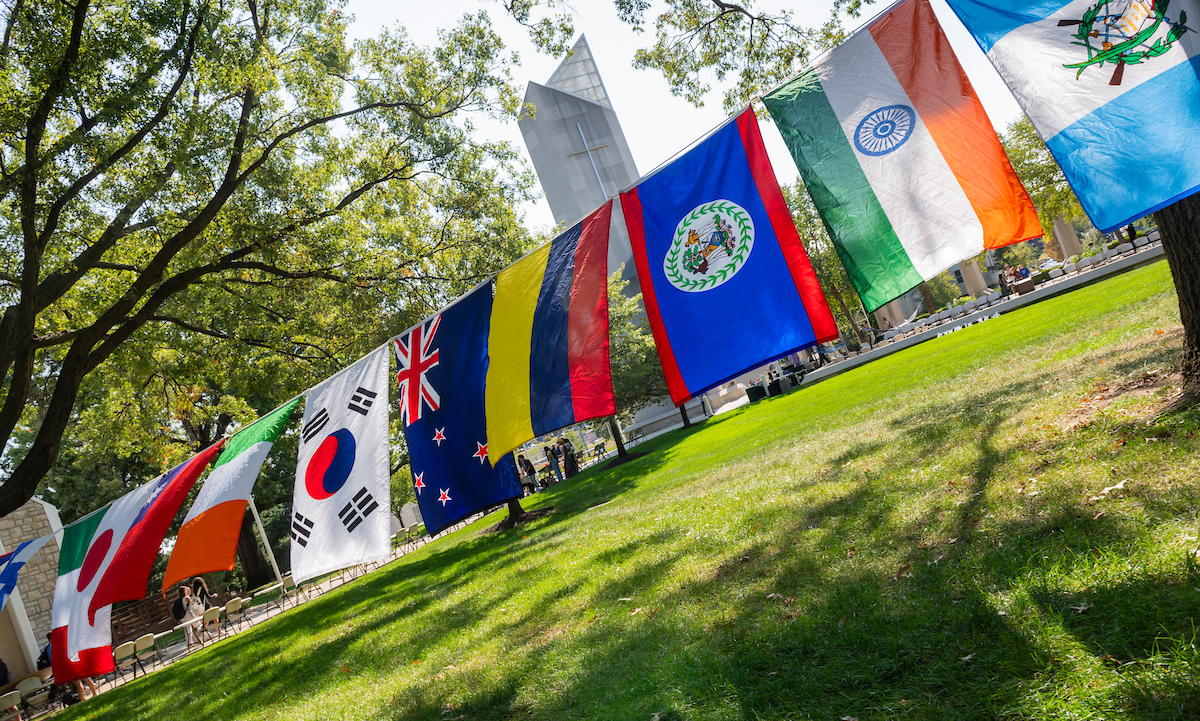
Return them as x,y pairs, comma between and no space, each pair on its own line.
341,507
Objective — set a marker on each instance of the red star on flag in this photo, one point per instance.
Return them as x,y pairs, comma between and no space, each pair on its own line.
481,452
416,355
418,482
445,496
439,436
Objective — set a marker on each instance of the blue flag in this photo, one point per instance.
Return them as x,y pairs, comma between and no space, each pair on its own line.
726,283
1112,87
12,563
442,370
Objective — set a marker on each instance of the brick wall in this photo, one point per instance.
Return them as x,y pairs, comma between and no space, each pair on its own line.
38,576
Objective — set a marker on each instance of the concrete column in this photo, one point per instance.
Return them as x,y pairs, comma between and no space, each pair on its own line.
1066,236
973,278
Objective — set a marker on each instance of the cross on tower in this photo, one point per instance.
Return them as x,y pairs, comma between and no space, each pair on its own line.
589,150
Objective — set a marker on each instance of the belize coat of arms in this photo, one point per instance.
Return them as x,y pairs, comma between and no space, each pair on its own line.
711,244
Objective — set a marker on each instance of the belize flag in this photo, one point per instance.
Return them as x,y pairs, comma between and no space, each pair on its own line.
899,156
340,504
548,361
1112,87
443,366
726,284
12,563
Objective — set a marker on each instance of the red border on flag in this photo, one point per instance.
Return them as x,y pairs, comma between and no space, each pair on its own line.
587,327
631,207
803,275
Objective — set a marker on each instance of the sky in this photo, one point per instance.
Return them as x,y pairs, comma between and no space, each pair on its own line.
657,125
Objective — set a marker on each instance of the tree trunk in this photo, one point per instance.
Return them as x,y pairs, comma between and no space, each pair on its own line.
616,434
514,508
249,552
837,297
1179,225
928,298
683,412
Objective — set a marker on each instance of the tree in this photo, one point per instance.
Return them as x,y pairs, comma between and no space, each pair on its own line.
181,182
1040,174
1179,225
822,253
637,374
942,289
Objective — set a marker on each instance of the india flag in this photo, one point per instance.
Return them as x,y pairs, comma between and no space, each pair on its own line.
899,156
208,539
1112,87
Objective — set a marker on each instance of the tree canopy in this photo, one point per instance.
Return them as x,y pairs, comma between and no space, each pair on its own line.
208,207
1039,172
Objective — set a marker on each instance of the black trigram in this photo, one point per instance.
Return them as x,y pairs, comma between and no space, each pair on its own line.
362,400
350,515
301,529
315,424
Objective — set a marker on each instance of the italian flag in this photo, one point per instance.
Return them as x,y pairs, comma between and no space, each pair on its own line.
208,539
78,646
899,156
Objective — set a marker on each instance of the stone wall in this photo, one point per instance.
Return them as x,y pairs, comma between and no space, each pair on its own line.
37,578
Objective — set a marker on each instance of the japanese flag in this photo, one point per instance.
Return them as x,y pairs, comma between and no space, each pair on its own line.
340,510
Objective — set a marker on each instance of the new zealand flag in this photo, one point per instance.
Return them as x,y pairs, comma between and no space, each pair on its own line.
442,369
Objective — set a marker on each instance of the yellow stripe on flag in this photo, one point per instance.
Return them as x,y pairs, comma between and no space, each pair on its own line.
509,340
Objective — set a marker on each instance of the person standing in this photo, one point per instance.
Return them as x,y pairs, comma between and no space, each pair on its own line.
551,453
201,601
528,473
182,611
567,452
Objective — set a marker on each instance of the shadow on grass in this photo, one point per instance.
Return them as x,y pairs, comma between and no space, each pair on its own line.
800,621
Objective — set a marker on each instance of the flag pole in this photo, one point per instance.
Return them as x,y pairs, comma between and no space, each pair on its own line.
262,534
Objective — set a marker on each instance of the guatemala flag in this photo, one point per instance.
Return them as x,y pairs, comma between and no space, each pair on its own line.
726,283
12,563
1111,87
442,370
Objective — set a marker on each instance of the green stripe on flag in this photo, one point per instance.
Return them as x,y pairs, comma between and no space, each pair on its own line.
77,538
266,429
875,260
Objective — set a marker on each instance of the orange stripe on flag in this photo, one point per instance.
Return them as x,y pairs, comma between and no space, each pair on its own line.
206,543
919,54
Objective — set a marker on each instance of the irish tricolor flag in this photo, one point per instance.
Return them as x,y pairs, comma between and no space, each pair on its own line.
899,156
208,539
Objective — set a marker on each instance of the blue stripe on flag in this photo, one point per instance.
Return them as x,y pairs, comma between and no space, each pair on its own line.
550,404
990,20
1138,153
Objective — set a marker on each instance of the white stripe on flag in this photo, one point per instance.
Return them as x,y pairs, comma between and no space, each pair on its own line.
914,177
1031,60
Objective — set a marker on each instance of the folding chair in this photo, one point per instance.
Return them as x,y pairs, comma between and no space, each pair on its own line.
289,591
125,658
144,648
312,589
10,700
211,617
235,613
35,693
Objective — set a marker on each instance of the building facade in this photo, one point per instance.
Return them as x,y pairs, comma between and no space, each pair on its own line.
579,151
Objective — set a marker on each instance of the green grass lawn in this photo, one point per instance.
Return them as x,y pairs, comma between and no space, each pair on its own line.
927,536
